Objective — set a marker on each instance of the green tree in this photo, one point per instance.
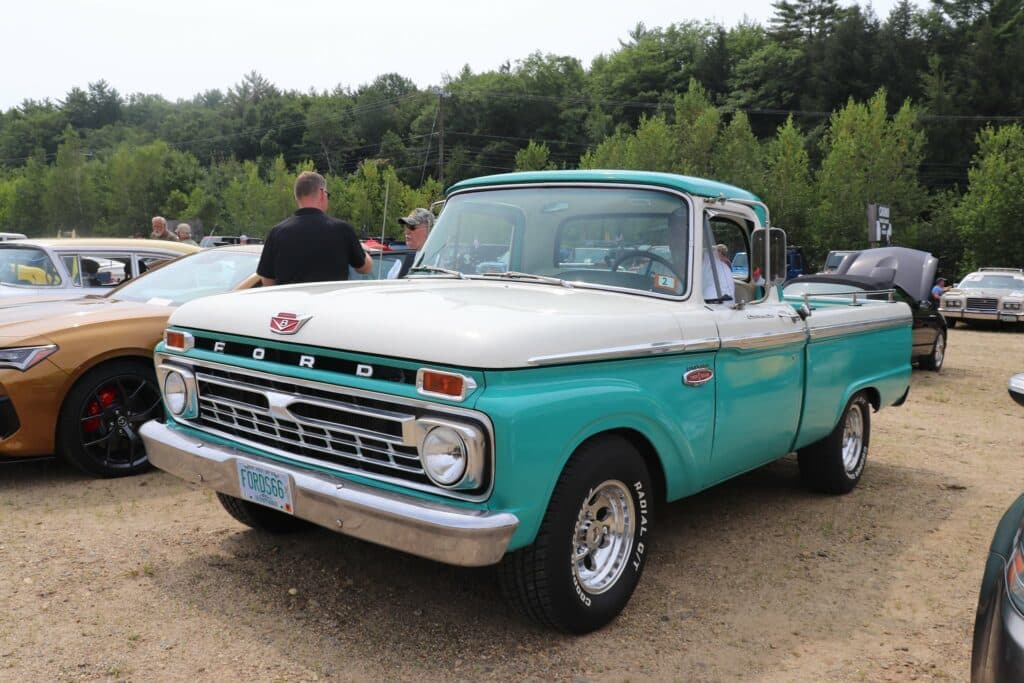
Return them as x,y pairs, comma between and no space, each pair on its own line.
868,158
71,201
534,157
738,157
787,185
991,213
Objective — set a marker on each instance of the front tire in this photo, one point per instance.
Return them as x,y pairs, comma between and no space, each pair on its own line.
835,464
259,516
592,545
98,426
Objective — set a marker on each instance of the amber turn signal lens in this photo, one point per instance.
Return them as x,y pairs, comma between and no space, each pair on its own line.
175,340
442,383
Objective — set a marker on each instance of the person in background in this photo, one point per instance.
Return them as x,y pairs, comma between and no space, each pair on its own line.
184,233
310,246
723,255
160,231
417,226
726,290
938,290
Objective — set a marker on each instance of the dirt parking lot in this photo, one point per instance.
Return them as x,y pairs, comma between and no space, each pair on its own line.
147,579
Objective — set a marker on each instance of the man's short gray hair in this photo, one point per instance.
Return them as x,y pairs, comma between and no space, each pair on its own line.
309,183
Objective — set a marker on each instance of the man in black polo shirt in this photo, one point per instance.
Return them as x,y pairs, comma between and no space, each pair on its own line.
310,246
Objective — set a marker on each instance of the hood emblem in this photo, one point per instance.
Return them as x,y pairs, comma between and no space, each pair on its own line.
288,323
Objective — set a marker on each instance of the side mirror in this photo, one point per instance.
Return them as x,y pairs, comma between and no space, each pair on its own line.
768,250
1016,388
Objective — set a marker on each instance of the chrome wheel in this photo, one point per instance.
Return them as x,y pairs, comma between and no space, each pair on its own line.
853,438
603,537
939,352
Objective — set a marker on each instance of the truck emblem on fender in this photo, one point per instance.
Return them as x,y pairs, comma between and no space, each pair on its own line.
695,377
287,323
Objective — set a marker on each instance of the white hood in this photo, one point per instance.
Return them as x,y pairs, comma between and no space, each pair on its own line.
478,324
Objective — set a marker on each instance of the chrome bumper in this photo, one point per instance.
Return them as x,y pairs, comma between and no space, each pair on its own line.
436,531
967,314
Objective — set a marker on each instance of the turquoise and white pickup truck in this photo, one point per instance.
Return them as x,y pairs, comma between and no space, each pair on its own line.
569,352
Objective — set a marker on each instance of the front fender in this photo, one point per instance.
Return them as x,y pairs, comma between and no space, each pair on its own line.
542,416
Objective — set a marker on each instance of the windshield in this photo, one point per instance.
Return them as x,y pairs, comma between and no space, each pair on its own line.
28,266
614,237
190,277
987,281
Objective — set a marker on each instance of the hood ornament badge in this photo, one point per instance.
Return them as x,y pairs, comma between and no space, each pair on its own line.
288,323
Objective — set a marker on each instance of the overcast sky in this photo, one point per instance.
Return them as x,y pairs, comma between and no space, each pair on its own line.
179,48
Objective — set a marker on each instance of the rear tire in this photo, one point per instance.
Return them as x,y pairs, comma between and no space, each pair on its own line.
260,517
938,355
835,464
592,545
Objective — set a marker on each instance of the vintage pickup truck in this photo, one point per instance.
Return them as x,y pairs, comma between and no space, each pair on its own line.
565,356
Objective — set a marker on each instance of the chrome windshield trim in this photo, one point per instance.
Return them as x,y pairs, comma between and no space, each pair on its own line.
689,200
765,340
838,329
633,351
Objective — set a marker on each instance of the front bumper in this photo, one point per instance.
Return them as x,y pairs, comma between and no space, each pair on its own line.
435,531
968,314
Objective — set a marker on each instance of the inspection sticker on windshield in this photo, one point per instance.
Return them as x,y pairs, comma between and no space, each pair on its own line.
157,301
665,282
265,486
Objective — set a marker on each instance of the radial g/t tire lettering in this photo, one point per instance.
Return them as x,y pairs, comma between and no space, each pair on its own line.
593,543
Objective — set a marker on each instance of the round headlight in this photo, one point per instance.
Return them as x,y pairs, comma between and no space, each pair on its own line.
444,456
175,393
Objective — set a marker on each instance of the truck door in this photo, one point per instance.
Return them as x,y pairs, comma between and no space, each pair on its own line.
759,368
759,383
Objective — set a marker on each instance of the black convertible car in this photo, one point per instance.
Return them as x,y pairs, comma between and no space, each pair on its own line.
908,272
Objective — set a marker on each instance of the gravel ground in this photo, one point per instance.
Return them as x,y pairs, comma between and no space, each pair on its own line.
147,579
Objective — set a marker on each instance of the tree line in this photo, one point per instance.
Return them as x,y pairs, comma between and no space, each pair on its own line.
820,112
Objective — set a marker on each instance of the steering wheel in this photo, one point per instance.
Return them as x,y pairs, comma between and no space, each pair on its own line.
653,258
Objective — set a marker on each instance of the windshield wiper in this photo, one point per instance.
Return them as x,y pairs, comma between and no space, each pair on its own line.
517,275
436,269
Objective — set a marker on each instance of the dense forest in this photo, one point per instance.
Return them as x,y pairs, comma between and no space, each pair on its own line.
825,109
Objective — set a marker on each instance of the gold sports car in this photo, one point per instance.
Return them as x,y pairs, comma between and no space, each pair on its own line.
76,375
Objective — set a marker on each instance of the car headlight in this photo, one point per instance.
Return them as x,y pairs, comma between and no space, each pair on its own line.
175,392
1015,577
1011,305
179,389
24,357
951,303
444,456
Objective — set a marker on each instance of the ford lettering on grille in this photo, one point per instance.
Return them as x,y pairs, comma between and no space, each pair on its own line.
287,323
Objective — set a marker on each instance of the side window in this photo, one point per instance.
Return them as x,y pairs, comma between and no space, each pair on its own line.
100,269
738,280
73,264
147,261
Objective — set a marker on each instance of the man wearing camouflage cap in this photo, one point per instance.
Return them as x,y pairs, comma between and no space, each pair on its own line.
417,226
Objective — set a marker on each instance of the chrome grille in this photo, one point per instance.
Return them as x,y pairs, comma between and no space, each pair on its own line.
982,304
329,428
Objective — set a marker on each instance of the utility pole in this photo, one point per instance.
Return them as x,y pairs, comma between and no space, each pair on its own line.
440,139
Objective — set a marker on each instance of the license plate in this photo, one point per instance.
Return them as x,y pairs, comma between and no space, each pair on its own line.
265,486
1008,318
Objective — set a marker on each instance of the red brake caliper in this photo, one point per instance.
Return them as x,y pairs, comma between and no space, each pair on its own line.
106,397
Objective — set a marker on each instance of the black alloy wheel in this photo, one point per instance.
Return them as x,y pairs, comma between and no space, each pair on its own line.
99,423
